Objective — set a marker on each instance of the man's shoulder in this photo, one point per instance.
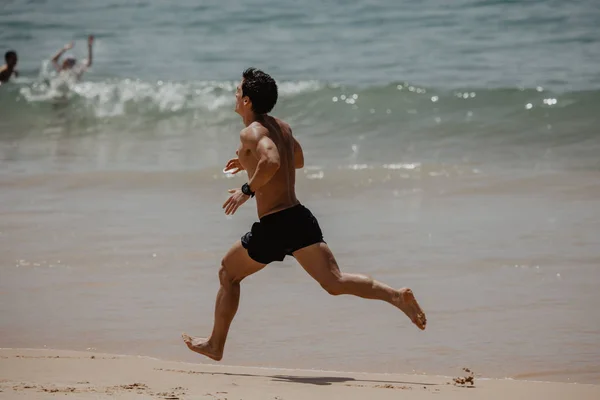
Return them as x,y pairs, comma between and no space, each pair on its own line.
258,130
252,133
4,74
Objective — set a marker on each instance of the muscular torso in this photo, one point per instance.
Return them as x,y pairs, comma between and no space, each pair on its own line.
279,193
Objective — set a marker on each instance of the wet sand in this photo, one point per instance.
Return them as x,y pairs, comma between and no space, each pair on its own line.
45,374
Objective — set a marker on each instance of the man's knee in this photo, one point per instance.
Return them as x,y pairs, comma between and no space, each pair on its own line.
334,287
225,276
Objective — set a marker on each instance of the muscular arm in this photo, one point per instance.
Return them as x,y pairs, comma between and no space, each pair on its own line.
268,159
298,155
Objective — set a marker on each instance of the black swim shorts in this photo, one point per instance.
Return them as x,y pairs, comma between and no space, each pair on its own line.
282,233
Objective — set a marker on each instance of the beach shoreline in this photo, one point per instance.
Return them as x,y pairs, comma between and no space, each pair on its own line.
46,373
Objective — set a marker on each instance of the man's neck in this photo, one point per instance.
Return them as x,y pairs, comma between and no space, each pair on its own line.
251,118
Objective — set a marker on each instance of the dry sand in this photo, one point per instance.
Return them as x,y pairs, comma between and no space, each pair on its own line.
48,374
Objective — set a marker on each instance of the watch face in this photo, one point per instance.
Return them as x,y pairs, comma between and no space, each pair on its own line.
246,190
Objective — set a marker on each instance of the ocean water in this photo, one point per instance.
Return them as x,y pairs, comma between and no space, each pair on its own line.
452,147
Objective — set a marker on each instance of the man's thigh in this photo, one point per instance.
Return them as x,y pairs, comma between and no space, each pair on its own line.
318,260
238,264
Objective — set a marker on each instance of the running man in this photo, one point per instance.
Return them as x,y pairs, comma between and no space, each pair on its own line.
68,64
270,155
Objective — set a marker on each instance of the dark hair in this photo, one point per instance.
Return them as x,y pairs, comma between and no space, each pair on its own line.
10,53
261,89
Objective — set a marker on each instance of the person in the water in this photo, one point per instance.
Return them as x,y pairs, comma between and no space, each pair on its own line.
8,69
69,64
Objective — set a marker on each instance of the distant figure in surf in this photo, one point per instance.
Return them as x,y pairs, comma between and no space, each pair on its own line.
68,65
270,154
8,69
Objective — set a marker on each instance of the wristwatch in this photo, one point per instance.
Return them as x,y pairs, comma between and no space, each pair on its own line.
246,190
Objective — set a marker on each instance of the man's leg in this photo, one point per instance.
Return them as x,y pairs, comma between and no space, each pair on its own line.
320,263
236,265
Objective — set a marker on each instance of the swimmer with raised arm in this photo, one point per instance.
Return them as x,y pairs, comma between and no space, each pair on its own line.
69,64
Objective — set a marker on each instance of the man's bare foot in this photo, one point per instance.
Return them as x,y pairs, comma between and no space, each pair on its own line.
201,346
408,304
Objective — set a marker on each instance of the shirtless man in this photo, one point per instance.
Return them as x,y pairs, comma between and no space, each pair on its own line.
270,155
8,69
68,65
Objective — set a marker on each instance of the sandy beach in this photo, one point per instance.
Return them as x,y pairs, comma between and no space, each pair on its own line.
46,374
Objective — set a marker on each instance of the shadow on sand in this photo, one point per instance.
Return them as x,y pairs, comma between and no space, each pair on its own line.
309,380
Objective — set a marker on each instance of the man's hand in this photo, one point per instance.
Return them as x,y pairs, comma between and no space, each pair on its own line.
69,46
234,201
233,166
90,40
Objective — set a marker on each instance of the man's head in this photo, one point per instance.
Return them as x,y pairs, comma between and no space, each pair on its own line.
69,62
257,92
11,58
